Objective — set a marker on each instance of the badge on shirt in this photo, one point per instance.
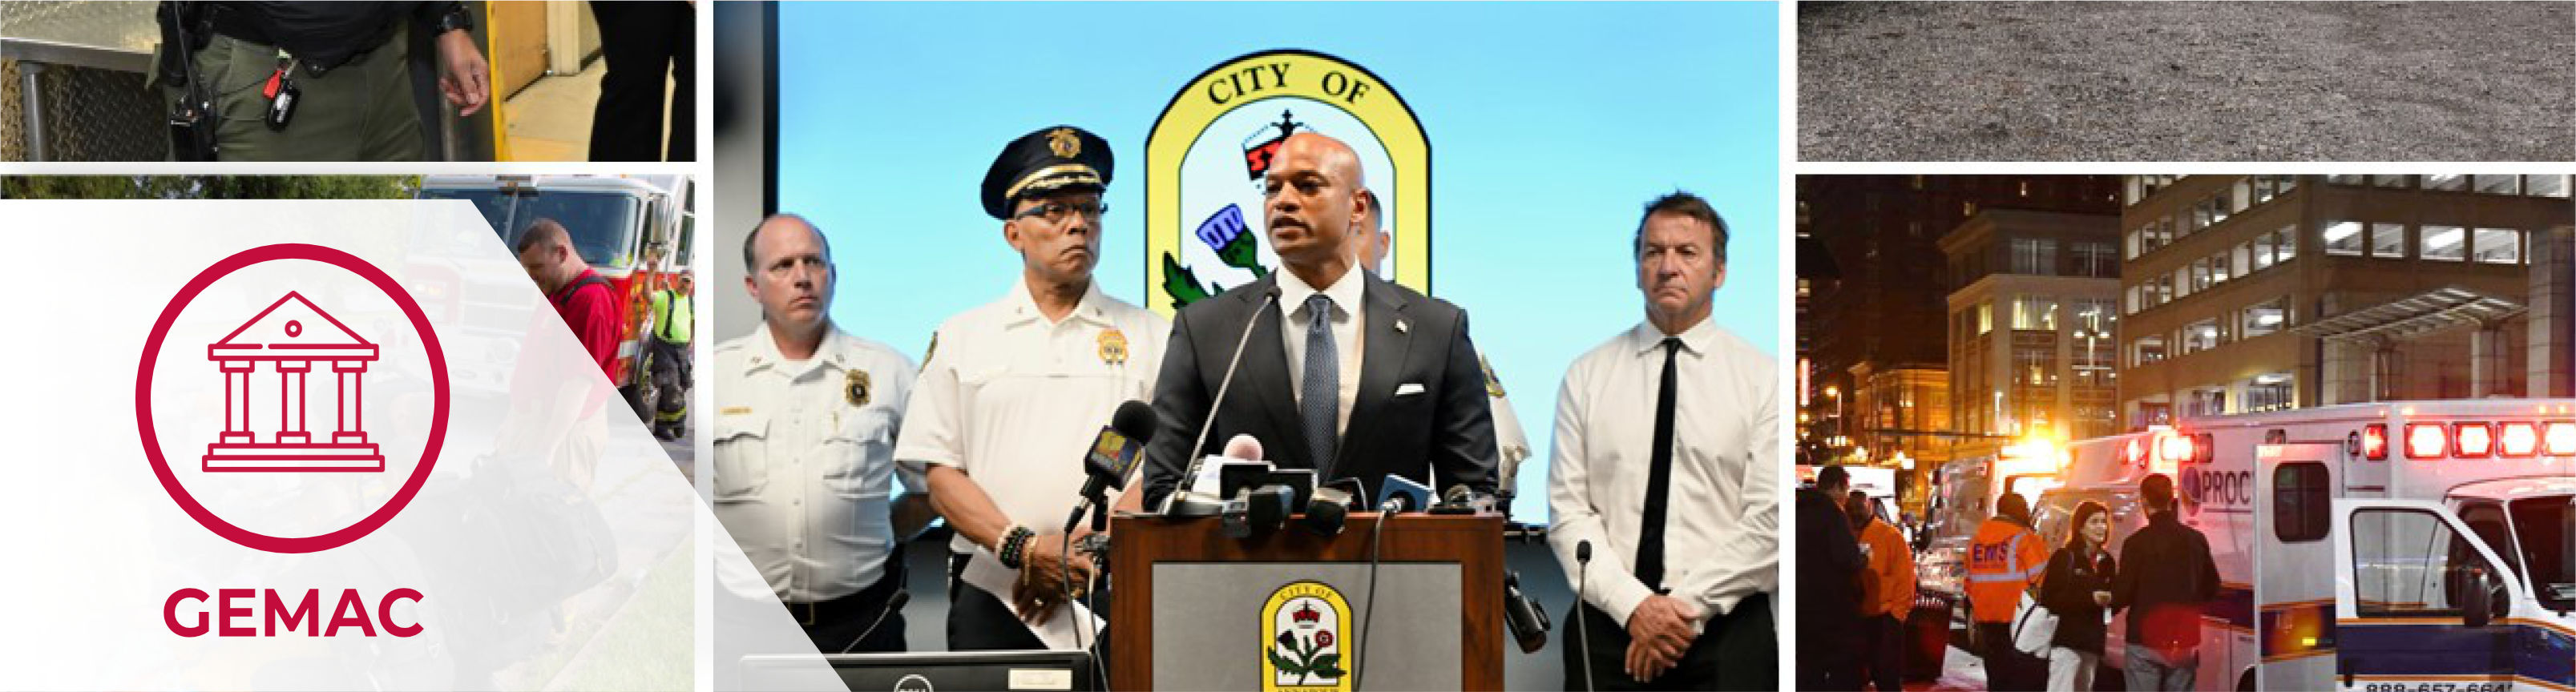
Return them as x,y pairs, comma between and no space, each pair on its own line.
1493,385
857,388
1113,346
932,351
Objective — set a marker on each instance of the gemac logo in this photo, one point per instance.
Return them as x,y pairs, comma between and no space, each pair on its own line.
255,408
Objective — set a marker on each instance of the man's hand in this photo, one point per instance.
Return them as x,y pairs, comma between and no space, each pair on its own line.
1043,571
466,79
1659,631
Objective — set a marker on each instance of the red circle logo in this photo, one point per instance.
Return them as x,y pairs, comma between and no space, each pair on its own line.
437,430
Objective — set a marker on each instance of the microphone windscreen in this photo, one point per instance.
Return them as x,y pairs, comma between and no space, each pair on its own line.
1135,419
1583,551
1244,447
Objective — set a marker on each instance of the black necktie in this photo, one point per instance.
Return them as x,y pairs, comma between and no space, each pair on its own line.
1659,479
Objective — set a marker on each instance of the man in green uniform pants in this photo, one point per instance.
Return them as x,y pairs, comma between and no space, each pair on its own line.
314,81
672,320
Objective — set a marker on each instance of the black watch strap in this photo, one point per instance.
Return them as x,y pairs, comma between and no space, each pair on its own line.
455,19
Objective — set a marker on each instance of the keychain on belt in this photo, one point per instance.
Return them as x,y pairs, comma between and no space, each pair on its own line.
281,92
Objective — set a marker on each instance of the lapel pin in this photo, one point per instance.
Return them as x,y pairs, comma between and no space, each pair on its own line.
1401,327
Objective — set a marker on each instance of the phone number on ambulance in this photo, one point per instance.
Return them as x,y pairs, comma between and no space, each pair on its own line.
2437,687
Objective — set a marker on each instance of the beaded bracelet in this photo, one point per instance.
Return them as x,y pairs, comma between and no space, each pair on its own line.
1015,546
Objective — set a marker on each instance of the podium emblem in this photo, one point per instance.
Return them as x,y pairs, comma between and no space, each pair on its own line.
1305,625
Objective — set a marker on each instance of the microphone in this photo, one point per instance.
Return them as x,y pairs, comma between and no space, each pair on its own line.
1527,619
1331,508
1583,624
1113,454
1200,506
1463,500
1243,446
1398,494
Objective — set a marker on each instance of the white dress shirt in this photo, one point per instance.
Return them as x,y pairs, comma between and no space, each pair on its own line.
804,475
1721,521
1014,400
1346,320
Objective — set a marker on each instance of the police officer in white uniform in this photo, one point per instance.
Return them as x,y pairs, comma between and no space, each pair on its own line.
1510,443
1012,393
1666,455
804,451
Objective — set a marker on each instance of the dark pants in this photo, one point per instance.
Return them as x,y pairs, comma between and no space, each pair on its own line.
860,622
1737,651
670,373
2007,668
645,43
979,621
1882,653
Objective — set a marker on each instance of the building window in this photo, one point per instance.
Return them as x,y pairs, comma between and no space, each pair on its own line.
2034,313
2445,243
2199,336
2388,240
2345,179
2147,349
1985,317
2268,392
2218,271
2285,245
2205,402
2257,253
2497,246
1967,209
2499,184
2034,256
2548,186
2096,260
2264,318
2396,181
2448,182
2267,187
2035,366
2342,238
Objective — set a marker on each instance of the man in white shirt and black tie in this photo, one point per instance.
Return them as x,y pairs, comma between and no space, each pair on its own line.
1666,440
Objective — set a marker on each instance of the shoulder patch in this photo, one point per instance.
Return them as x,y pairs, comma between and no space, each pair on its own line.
1493,385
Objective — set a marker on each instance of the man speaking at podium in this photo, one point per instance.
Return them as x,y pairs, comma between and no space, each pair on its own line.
1349,375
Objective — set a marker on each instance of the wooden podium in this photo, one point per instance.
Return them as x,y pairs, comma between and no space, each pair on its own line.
1438,555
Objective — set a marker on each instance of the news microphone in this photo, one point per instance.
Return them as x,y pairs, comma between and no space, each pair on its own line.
1398,494
894,604
1112,456
1527,619
1330,509
1463,500
1582,624
1190,473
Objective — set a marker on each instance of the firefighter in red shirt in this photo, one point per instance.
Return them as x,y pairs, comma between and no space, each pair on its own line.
586,300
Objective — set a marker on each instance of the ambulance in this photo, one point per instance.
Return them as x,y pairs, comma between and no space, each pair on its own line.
2107,470
2381,547
1964,493
2404,546
634,230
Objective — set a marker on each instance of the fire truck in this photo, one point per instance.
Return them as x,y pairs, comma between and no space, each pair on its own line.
634,230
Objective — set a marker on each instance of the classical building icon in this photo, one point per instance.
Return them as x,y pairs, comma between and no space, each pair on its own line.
296,338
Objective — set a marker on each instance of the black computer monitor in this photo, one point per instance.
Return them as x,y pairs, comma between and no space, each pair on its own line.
1064,669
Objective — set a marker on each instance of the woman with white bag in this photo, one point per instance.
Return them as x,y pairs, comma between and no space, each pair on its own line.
2077,589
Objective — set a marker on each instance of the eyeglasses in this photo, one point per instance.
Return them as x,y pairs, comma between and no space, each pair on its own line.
1057,212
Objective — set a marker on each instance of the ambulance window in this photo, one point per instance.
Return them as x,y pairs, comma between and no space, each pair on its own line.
2487,521
2547,529
2300,504
2408,563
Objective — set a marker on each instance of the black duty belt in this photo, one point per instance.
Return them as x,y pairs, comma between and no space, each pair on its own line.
241,26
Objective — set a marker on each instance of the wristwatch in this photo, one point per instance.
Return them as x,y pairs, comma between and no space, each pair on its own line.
455,19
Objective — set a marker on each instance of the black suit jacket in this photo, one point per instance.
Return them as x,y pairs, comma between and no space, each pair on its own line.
1441,436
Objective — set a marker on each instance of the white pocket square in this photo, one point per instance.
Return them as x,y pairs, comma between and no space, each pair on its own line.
1408,389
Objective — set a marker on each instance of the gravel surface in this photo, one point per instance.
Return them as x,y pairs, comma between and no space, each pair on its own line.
2187,81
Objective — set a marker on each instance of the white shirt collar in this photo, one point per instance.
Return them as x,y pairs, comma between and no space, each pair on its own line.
1345,291
837,349
1697,340
1024,305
